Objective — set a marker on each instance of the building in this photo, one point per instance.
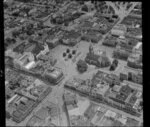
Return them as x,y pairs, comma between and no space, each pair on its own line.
135,61
101,88
36,49
92,36
121,95
138,47
124,44
97,60
40,117
71,37
112,79
123,76
44,51
126,90
21,47
121,54
110,41
26,60
12,99
22,111
137,78
54,75
52,42
116,88
119,30
86,25
133,76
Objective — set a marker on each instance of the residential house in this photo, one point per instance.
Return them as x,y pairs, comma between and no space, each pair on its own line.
135,61
52,42
137,78
121,54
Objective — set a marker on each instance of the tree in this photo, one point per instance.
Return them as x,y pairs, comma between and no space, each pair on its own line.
82,66
115,61
85,8
15,33
112,67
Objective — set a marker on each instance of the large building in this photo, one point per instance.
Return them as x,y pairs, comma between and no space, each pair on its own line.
23,110
26,60
97,60
54,75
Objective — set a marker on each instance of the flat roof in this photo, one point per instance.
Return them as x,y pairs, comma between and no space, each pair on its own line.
42,113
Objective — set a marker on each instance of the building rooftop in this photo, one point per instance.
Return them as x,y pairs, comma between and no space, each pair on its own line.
101,88
126,89
132,100
71,35
55,73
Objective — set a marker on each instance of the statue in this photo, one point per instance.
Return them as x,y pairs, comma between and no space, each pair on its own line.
91,50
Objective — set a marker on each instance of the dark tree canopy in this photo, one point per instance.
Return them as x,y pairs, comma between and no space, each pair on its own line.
82,66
